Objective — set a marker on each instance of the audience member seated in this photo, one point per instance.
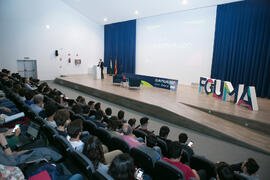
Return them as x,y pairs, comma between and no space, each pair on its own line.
163,134
85,112
77,109
132,123
175,157
93,149
108,112
74,131
122,168
62,120
49,110
121,117
71,103
29,97
16,88
113,126
128,136
98,119
247,169
7,107
37,107
22,93
144,125
183,142
91,104
28,85
151,141
224,171
80,100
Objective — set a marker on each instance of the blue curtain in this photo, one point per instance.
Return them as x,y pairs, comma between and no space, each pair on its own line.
242,45
120,42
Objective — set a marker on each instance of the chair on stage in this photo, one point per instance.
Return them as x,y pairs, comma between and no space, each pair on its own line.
134,83
117,79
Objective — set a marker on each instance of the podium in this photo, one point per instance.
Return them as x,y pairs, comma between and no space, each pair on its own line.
97,72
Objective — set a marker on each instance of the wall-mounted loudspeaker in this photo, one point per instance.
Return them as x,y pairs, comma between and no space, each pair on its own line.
56,52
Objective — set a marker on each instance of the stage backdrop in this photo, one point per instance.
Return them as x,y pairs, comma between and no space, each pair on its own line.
120,44
242,45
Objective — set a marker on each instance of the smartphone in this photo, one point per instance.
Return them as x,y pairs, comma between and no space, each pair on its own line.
190,144
16,127
139,175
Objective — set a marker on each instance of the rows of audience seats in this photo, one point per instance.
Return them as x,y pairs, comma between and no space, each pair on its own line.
148,156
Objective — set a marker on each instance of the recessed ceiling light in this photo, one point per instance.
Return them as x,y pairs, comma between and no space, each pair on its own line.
48,26
184,2
105,19
136,12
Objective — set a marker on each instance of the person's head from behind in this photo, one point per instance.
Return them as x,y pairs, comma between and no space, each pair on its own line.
99,116
151,140
121,115
77,109
91,104
132,122
127,130
22,92
71,103
94,151
85,110
4,76
97,106
108,111
144,122
224,172
182,138
174,150
29,95
74,129
164,132
38,100
16,87
250,166
50,109
78,98
113,123
61,118
122,167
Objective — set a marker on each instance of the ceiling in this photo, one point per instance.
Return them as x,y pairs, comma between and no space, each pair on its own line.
123,10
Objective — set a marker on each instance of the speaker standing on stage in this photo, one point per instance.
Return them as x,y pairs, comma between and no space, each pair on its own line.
101,65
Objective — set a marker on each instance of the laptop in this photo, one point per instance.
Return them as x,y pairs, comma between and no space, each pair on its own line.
30,136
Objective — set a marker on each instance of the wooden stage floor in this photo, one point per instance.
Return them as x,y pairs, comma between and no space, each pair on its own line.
187,108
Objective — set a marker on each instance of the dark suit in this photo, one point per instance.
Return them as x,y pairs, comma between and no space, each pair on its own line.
101,65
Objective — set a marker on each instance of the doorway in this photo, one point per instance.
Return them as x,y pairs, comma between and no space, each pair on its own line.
27,68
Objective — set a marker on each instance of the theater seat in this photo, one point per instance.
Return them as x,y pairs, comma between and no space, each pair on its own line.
119,143
89,126
163,146
79,163
62,145
145,158
199,162
99,175
104,136
139,133
50,134
164,170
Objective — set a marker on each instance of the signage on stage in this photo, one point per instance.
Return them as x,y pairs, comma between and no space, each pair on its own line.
170,84
223,90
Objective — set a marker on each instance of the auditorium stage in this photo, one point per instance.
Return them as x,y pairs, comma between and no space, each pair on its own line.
187,108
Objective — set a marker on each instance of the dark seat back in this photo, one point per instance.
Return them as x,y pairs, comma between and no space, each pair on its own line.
163,146
62,145
164,170
119,143
199,162
104,136
139,133
145,158
50,134
89,126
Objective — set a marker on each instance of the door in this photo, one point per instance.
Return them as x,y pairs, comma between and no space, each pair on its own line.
27,68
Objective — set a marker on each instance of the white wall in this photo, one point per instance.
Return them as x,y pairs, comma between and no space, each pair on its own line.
177,45
23,33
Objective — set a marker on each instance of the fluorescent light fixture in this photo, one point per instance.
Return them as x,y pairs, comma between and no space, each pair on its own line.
136,12
184,2
47,26
105,19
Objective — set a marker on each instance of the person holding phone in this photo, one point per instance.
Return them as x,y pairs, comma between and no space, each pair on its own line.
182,140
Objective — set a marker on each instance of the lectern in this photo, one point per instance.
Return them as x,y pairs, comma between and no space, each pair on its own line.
97,73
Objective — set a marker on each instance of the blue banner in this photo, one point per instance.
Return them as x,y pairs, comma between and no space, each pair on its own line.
170,84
